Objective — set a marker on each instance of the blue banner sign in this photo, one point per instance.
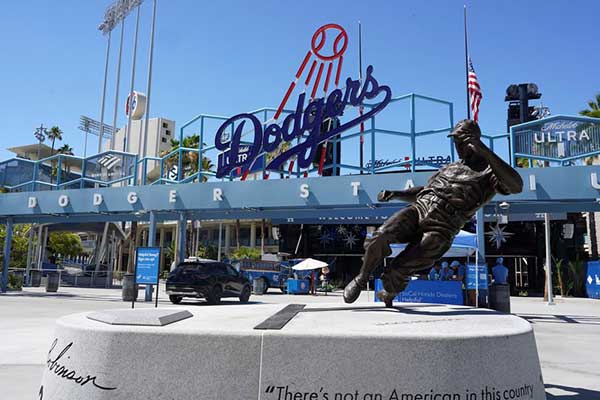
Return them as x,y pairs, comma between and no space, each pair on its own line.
429,161
422,291
592,279
147,262
295,125
109,166
472,278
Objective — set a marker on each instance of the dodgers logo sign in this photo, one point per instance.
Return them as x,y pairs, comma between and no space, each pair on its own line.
255,138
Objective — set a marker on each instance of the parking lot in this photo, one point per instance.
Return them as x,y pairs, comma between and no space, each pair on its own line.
567,334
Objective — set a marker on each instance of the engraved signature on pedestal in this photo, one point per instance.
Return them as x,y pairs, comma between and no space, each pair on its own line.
423,321
61,371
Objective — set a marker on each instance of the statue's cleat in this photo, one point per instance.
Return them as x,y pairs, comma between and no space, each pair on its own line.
386,297
352,290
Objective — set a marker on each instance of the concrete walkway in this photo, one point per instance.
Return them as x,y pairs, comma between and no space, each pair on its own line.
567,334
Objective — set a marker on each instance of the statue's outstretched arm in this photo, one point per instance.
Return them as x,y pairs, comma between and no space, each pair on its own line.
506,175
408,195
507,180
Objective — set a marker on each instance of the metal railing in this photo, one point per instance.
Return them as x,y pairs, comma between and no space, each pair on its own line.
19,174
56,172
67,277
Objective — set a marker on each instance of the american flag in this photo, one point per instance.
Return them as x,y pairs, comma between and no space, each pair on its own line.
474,91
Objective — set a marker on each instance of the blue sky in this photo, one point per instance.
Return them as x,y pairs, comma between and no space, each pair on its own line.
226,57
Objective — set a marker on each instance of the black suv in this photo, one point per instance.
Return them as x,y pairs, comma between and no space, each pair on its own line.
207,279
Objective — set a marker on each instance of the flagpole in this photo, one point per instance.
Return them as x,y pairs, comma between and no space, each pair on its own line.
467,65
362,124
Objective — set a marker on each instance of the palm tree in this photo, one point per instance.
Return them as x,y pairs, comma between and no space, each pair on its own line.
283,147
594,108
67,150
53,134
594,112
190,159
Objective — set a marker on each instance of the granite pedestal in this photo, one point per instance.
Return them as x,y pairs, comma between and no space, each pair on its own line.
315,352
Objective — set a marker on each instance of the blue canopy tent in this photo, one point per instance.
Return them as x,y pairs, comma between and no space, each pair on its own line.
464,245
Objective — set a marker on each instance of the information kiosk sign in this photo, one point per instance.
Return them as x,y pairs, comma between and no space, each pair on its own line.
473,281
147,262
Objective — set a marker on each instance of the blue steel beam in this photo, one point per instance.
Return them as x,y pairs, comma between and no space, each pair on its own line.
6,258
574,187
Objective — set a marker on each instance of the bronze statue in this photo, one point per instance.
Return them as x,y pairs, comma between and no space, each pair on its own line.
436,214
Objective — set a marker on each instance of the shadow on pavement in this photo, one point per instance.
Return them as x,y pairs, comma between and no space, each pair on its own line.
557,392
203,303
560,319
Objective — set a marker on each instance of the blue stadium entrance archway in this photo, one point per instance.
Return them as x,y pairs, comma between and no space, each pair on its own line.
546,190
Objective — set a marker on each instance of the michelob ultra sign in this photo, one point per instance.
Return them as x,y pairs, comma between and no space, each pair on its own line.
557,138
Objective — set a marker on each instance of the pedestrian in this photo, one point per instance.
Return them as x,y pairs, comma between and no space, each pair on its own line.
500,272
435,274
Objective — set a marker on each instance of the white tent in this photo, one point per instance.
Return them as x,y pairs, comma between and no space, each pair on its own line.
308,264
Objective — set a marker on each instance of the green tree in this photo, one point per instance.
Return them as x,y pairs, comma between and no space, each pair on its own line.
54,134
593,109
20,240
209,252
65,244
190,159
67,150
244,253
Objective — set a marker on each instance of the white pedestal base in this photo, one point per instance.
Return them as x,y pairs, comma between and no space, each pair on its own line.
413,352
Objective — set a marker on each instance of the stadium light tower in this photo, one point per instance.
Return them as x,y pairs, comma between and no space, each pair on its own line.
89,125
106,27
149,81
40,134
115,14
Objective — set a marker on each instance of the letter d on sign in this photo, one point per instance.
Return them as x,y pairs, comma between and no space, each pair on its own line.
32,202
97,199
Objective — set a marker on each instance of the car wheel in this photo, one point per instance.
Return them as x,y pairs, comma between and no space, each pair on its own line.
245,296
214,297
175,299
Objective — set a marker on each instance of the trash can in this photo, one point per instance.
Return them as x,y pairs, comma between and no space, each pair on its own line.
259,285
481,302
130,290
500,298
52,282
35,278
